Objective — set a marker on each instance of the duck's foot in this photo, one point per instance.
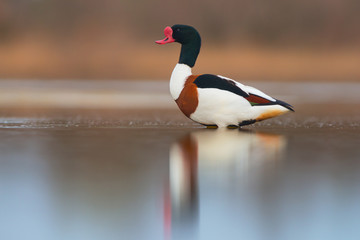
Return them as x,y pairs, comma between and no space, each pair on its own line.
247,122
232,127
211,126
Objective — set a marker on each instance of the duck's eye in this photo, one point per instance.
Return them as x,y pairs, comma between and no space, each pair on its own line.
178,29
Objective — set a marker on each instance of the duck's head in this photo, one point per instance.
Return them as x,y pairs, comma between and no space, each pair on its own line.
189,39
183,34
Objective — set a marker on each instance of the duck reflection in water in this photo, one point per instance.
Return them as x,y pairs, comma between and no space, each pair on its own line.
218,157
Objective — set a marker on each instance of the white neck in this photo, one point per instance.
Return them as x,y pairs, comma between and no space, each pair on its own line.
178,77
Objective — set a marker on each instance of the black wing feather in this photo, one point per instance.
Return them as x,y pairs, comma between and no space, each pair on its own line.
284,104
213,81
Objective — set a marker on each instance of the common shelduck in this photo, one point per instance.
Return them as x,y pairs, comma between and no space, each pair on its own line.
214,100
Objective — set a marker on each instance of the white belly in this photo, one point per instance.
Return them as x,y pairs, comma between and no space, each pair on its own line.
224,108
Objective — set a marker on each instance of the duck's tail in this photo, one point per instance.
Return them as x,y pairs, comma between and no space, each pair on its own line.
285,105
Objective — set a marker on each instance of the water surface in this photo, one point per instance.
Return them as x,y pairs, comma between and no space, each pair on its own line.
153,174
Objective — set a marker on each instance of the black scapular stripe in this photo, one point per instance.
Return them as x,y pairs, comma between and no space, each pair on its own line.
213,81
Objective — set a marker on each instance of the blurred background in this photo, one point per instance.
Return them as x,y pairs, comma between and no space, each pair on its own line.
94,147
281,40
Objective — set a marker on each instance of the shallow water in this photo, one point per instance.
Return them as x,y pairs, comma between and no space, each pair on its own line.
92,178
153,174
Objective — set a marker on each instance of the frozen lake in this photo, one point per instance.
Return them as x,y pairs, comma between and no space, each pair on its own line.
106,171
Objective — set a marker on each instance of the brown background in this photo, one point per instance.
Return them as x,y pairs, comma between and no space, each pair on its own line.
312,40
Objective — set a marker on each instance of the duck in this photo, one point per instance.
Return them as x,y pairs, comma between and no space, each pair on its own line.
214,100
